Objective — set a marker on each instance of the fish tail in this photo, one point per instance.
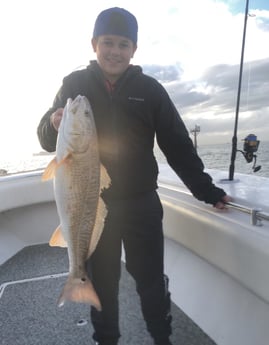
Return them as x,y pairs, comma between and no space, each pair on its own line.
79,290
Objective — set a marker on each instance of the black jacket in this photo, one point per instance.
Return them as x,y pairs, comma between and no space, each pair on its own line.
127,121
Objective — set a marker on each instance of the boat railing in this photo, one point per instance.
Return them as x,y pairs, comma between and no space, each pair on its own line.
256,215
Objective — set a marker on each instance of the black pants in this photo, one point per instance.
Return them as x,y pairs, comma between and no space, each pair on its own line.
137,223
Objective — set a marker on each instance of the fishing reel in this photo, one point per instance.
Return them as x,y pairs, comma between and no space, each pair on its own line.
251,145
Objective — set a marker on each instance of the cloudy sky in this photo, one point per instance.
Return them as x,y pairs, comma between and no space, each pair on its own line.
192,47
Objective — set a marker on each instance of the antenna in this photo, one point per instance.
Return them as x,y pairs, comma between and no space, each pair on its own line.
195,131
234,139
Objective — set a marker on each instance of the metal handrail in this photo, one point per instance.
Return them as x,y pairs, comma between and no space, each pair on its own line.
256,214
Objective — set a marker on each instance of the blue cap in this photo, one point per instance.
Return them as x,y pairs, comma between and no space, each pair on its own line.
116,21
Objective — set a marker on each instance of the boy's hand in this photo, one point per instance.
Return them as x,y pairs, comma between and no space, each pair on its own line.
56,117
221,204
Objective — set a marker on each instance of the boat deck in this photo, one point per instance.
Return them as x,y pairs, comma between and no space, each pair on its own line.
30,283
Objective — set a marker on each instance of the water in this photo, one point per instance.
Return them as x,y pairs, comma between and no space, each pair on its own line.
26,163
218,156
214,157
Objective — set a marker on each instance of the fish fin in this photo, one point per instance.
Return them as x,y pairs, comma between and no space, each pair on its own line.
67,159
101,212
79,290
98,226
57,239
104,178
49,172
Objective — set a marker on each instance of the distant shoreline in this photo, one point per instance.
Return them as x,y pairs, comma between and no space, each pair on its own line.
43,153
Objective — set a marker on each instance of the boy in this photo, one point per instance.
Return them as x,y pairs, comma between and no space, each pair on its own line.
130,109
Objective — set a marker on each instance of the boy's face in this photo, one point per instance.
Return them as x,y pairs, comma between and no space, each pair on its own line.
113,54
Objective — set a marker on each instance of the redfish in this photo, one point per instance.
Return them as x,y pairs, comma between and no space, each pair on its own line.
78,180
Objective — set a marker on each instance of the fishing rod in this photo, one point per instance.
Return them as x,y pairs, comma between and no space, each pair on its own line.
234,139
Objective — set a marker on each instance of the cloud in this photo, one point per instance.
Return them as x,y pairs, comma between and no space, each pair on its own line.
218,88
164,74
210,101
222,80
262,19
254,87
